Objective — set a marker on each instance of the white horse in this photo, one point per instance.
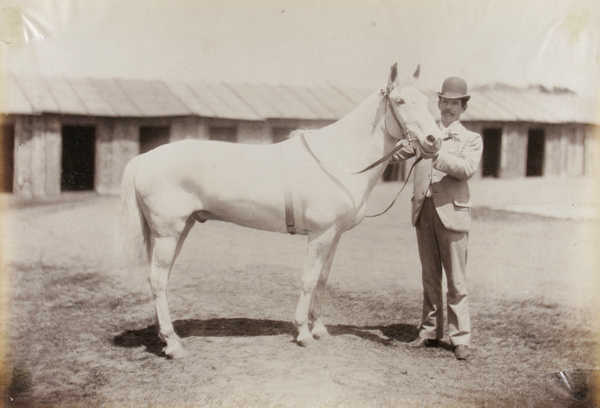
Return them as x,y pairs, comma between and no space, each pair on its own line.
304,185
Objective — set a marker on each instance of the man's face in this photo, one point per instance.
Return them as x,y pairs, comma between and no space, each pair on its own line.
450,110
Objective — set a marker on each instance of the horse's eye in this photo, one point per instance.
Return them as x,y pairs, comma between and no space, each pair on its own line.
399,101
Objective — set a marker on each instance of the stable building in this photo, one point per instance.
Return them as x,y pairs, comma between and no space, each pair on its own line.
62,134
534,131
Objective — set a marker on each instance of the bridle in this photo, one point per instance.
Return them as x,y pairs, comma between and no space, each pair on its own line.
388,102
406,139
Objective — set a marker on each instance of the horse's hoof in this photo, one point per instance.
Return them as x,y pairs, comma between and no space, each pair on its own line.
306,342
176,353
321,334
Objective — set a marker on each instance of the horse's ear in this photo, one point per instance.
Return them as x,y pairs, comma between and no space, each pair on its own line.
417,72
393,75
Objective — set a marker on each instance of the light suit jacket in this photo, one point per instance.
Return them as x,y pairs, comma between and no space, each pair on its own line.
448,177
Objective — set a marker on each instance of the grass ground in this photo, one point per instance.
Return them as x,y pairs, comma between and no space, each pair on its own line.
81,328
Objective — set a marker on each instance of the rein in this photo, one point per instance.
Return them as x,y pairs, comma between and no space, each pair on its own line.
399,192
369,167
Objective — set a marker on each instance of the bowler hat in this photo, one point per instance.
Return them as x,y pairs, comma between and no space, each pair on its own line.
454,88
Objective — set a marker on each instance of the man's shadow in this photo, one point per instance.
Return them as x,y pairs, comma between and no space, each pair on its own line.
244,327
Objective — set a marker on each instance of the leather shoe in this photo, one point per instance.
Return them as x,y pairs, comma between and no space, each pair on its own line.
421,342
462,352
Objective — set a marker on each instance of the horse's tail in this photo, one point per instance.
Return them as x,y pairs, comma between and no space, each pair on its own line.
135,231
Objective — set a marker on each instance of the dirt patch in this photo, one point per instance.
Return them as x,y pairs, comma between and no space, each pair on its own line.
81,327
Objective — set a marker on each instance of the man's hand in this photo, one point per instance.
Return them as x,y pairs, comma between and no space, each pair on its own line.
406,152
425,155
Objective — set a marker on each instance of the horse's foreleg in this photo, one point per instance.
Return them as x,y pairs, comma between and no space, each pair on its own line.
165,251
319,247
319,331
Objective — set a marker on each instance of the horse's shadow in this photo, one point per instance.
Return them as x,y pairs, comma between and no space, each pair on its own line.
244,327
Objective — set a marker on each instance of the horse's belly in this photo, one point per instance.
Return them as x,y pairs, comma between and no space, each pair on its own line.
258,212
239,184
257,200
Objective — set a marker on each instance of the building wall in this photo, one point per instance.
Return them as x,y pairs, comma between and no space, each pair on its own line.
476,127
253,132
188,128
117,142
37,156
514,151
570,150
591,158
565,151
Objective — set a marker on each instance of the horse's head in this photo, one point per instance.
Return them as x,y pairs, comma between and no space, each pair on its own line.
407,115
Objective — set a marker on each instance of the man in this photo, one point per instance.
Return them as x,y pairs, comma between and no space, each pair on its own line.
441,214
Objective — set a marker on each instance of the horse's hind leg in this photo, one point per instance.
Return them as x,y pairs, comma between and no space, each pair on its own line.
319,331
164,253
319,248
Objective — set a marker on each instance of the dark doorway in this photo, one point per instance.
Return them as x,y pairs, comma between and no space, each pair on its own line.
153,136
223,134
78,155
7,158
281,133
492,147
535,152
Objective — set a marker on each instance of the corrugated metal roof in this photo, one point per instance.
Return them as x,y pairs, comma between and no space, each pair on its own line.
65,97
187,96
37,94
15,100
304,95
336,103
260,104
238,108
155,98
113,98
90,97
152,98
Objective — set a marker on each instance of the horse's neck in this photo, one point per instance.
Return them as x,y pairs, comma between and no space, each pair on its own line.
353,143
357,139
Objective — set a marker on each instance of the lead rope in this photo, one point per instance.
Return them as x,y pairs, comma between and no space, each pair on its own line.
399,192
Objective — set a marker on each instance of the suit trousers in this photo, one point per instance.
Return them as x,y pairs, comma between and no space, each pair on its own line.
441,248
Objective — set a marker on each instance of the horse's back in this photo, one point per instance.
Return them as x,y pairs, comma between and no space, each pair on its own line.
212,162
